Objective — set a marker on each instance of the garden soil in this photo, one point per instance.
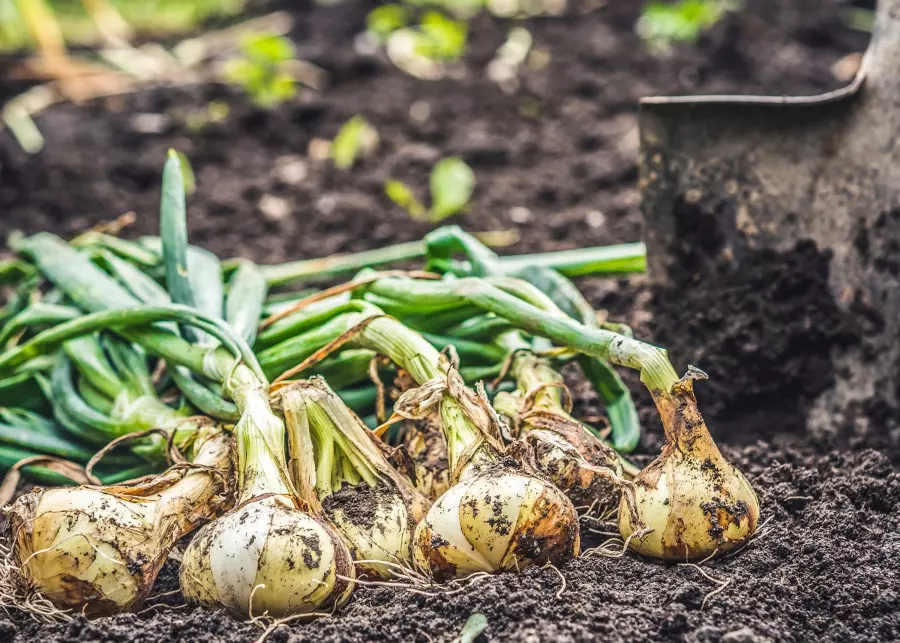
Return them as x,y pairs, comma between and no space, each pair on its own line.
555,161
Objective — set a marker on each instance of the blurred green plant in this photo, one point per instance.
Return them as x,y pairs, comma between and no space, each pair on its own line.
664,23
81,22
420,36
452,184
355,137
187,172
263,69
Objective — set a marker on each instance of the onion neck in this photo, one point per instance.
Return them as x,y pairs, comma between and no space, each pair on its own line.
261,465
338,462
685,429
200,493
423,362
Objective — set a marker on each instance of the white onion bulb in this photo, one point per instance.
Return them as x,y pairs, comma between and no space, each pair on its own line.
496,518
98,550
267,557
690,502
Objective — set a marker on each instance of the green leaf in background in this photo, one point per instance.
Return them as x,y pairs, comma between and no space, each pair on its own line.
386,19
263,70
452,184
443,38
400,194
354,137
663,23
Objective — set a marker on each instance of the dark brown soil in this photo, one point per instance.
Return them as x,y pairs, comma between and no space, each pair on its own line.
824,566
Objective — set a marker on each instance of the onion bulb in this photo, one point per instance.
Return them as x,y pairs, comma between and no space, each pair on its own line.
574,459
98,550
338,466
268,555
499,515
690,502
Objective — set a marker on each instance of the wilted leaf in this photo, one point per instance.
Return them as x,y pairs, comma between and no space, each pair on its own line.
452,184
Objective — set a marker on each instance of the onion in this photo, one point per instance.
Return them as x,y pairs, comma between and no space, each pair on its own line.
267,555
691,500
499,515
98,550
575,460
339,468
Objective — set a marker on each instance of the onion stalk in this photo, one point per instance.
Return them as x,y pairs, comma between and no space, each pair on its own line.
340,469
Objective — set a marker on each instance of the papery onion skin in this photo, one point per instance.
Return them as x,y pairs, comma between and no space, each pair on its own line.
565,451
497,518
98,550
696,503
267,557
424,441
588,471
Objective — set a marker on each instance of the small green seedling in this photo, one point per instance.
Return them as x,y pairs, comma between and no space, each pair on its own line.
263,69
665,23
356,137
417,39
452,183
475,625
441,38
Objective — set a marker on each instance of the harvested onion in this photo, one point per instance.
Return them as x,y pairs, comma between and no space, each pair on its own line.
98,550
499,515
339,468
575,460
690,502
267,555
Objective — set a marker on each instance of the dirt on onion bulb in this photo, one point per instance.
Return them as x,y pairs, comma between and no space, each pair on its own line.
338,468
691,502
271,554
575,460
423,440
98,550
